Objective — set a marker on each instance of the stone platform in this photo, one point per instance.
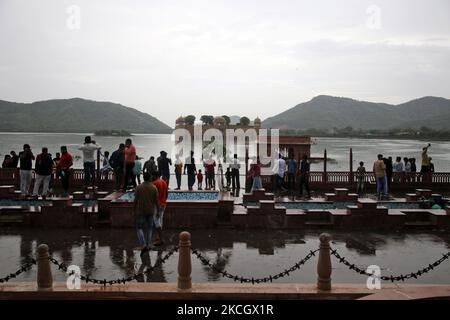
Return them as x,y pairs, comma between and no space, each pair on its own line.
217,291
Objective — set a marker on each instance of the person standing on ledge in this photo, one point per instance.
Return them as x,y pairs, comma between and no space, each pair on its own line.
425,168
235,179
178,171
163,166
43,169
137,170
191,170
130,158
379,170
291,172
150,166
26,157
304,176
63,169
116,162
255,174
163,192
145,207
360,177
88,148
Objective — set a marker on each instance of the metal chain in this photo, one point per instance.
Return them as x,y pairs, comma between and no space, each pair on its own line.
104,282
392,278
24,268
205,261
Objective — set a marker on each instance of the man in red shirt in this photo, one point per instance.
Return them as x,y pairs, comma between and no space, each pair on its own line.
63,168
130,158
163,191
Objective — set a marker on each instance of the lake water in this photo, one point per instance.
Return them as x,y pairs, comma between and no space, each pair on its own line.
111,254
151,144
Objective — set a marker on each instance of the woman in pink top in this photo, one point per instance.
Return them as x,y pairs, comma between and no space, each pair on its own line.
255,173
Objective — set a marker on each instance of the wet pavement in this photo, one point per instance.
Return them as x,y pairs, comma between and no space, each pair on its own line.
112,253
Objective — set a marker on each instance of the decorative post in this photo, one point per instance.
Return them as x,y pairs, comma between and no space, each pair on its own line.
325,175
350,177
324,263
44,272
184,262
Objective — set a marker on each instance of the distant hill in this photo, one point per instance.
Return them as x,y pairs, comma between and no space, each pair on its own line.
76,115
326,112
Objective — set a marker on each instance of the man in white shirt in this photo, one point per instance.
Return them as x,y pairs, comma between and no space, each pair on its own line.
279,170
88,148
235,183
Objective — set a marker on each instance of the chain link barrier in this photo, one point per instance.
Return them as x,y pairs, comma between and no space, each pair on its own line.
63,267
392,278
206,262
24,268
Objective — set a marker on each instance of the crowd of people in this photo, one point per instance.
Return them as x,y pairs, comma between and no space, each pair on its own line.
127,168
402,170
284,168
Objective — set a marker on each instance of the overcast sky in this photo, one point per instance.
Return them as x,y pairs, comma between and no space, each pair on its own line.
253,58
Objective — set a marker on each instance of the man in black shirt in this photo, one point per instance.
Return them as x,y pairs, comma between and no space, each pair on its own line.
25,157
304,176
43,170
116,162
189,164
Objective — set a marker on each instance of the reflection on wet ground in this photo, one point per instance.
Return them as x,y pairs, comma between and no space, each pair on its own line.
112,254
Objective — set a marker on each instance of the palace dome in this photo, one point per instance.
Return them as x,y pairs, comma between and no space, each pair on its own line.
219,122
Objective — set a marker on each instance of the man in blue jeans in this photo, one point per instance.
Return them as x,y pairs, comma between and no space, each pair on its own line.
88,148
379,170
145,208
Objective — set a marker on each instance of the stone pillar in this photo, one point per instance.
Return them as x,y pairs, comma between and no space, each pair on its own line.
184,262
324,263
44,272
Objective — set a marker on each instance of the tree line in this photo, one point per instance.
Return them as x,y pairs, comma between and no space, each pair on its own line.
415,133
